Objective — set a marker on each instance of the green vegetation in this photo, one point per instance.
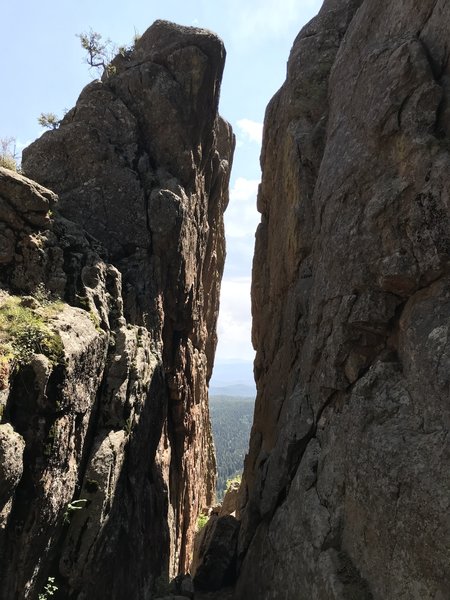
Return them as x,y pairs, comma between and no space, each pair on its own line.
100,53
24,331
136,38
49,442
42,294
231,419
128,425
201,521
95,320
83,302
49,120
232,480
8,154
49,589
4,372
72,507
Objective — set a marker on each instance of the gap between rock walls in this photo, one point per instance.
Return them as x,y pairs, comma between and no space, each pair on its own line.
112,251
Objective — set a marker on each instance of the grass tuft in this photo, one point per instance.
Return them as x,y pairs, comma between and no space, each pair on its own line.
25,331
201,521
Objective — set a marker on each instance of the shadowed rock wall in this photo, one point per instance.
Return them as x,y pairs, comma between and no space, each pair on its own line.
141,164
347,482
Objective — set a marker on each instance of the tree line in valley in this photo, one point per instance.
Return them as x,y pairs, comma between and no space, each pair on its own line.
231,419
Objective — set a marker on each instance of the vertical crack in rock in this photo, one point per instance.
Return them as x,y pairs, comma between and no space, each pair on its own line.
346,484
118,452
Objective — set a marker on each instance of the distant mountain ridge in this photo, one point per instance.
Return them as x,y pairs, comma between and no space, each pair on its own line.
239,390
232,373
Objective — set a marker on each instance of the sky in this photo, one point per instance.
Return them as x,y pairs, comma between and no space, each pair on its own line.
43,71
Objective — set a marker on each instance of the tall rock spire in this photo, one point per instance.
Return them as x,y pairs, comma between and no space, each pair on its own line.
142,165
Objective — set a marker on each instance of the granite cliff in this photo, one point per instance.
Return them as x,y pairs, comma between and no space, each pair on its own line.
108,326
105,444
347,479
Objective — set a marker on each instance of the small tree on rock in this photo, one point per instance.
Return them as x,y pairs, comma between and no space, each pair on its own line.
49,120
99,52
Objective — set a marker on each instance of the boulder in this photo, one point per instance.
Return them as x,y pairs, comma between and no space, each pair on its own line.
217,555
230,501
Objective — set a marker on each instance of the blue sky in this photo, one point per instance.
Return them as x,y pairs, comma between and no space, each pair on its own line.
43,71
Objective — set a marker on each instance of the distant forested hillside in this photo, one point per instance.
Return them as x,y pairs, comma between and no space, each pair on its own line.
231,419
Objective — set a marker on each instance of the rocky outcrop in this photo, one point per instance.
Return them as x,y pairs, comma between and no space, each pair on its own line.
11,466
215,566
118,455
55,357
230,503
346,483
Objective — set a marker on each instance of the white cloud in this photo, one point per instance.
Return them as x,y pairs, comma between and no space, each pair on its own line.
241,221
234,327
244,189
241,217
252,130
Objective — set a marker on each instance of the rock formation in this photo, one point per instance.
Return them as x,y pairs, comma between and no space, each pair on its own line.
347,479
105,438
105,441
213,564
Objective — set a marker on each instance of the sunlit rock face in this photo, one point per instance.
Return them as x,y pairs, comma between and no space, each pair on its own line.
108,451
347,480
